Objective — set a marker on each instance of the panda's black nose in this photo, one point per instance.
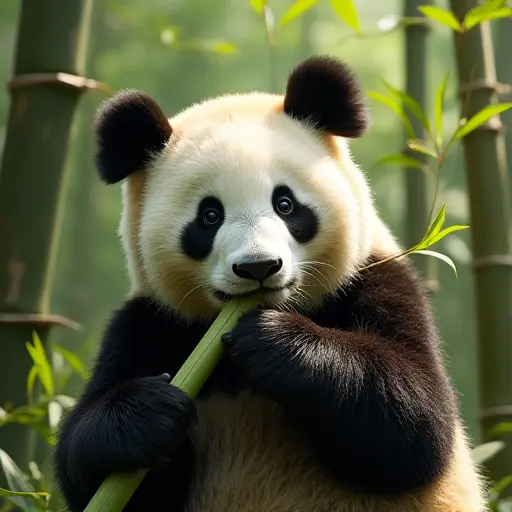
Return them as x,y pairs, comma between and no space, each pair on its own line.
258,270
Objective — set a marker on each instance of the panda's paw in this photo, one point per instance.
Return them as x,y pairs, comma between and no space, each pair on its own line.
138,425
263,343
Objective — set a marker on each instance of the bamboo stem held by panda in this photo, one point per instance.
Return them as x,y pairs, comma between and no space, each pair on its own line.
489,201
51,39
117,489
418,190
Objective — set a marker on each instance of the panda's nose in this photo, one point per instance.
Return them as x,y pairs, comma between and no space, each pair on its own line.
258,270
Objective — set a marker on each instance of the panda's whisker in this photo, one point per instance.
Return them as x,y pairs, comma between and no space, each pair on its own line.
315,278
201,285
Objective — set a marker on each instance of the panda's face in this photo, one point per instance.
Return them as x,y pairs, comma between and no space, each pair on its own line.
243,192
249,205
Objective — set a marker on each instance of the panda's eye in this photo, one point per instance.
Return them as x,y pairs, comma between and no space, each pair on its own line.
211,216
284,205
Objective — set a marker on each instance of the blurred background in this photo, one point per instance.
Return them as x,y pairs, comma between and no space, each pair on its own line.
182,51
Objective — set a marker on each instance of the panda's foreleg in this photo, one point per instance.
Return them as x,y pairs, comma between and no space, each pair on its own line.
373,409
129,416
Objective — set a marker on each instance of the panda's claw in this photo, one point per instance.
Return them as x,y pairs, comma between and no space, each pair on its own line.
227,339
166,377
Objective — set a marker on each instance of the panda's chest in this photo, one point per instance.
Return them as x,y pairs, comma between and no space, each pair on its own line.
250,458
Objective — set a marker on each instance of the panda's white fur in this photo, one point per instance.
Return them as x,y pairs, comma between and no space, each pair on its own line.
249,455
239,146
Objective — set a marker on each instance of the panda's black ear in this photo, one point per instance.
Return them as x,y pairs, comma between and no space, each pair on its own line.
130,129
323,91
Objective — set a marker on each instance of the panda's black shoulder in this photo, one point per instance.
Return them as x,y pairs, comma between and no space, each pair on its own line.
385,297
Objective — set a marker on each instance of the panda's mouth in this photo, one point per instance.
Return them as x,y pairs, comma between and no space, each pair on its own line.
225,296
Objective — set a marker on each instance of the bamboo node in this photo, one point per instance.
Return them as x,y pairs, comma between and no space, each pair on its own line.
66,79
39,319
493,411
481,85
492,260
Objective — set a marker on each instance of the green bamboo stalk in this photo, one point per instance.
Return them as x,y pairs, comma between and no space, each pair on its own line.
418,187
489,198
504,44
51,39
117,489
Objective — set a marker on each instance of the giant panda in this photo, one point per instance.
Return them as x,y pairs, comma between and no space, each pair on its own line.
333,395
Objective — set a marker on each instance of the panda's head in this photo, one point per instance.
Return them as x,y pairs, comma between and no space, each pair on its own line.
242,192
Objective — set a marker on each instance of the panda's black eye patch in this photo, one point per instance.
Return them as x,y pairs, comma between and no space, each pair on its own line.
299,218
198,236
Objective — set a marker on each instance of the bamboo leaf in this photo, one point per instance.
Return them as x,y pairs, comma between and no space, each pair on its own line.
296,9
395,107
221,47
44,369
31,378
486,451
54,413
500,487
258,5
492,9
398,159
421,147
16,480
72,359
411,104
444,233
480,118
440,256
441,16
501,428
34,495
439,107
346,10
434,228
471,21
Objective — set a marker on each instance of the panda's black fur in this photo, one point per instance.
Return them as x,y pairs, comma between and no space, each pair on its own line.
360,377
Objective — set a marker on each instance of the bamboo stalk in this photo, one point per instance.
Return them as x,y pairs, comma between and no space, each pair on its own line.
489,198
418,188
51,40
504,44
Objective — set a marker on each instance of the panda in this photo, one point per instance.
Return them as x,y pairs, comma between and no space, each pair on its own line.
332,395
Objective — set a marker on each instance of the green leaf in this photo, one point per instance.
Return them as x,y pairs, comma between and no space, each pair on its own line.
444,233
17,481
398,159
346,10
471,21
500,487
395,107
486,451
480,118
44,370
411,104
222,47
72,359
55,410
33,495
440,256
421,147
490,10
31,378
258,5
434,228
439,109
441,16
501,428
296,9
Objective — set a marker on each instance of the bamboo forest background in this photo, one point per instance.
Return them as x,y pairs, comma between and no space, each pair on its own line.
181,51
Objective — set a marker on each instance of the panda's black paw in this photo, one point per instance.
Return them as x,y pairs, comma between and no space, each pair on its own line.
263,346
136,425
